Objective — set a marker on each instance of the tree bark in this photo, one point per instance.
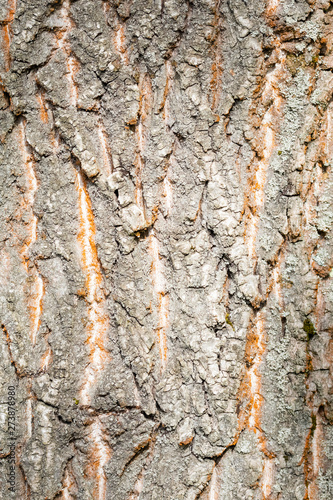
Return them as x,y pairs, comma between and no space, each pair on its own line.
166,249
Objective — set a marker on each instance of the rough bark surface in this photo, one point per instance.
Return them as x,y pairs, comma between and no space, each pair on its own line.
166,249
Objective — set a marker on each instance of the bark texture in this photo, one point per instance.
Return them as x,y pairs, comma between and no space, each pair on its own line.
166,249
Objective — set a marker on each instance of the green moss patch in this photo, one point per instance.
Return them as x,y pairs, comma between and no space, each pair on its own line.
309,328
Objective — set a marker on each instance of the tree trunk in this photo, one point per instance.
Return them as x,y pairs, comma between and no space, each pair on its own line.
166,249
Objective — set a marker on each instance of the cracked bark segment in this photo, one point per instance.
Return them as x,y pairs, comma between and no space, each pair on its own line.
98,321
37,285
162,299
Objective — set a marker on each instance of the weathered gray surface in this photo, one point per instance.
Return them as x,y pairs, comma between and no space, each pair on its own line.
166,248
